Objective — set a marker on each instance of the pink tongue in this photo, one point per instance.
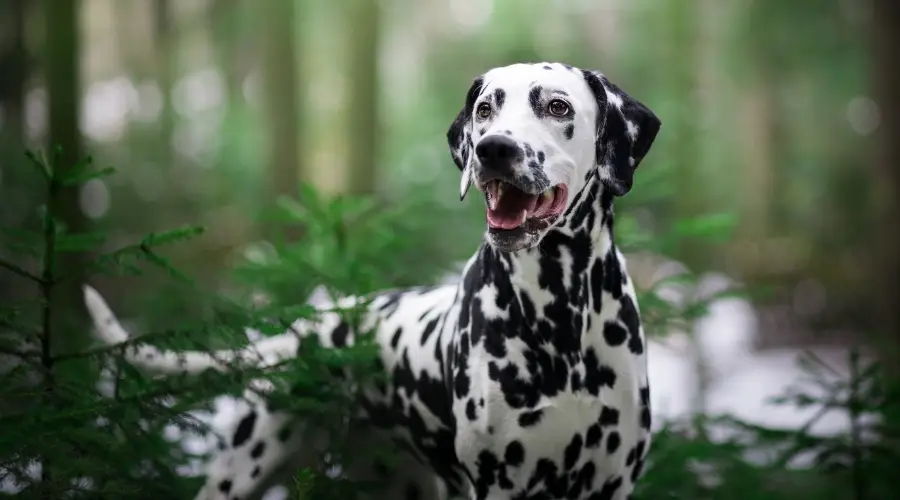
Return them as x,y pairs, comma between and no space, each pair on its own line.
508,212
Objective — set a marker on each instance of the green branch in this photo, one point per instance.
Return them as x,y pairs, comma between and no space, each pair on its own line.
18,271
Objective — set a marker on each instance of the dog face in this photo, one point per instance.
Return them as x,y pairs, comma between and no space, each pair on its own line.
530,137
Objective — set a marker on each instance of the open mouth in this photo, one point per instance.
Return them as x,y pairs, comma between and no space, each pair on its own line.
509,208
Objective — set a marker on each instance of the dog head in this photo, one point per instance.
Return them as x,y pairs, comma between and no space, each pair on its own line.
531,136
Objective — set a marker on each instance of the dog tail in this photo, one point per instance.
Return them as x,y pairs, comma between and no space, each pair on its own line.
157,362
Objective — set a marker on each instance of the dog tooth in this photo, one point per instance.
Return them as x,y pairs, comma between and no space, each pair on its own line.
524,217
500,185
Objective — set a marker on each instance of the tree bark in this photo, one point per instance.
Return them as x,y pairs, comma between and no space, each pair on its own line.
363,119
281,98
14,65
683,64
886,87
280,59
14,68
62,75
64,323
163,34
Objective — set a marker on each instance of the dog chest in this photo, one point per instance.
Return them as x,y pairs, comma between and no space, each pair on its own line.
568,430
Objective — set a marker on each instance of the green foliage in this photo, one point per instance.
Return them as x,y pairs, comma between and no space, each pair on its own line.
757,462
354,247
62,424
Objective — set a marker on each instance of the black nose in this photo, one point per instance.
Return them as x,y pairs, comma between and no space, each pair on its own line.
497,150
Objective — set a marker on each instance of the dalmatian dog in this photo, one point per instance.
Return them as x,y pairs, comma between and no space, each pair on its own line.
528,379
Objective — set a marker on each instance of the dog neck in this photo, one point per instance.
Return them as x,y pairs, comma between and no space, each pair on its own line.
547,294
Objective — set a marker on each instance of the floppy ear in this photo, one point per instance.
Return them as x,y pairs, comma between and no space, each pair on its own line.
625,131
459,137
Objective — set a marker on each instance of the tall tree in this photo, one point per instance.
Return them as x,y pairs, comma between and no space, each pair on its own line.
14,68
683,60
66,329
886,86
281,96
363,18
62,77
163,34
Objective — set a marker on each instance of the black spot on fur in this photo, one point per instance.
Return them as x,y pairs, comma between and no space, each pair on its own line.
395,339
258,449
609,416
391,302
547,67
569,131
515,454
429,329
486,477
613,442
461,384
470,410
593,437
609,489
584,480
638,462
499,98
340,333
597,284
225,486
244,429
646,417
534,99
530,418
629,316
573,451
614,334
256,472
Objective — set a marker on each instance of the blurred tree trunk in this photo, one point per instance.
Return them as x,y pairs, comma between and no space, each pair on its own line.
63,78
163,35
757,124
14,68
227,37
363,20
886,86
67,328
281,96
765,208
683,66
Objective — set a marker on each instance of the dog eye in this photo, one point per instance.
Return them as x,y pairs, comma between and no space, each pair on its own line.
558,107
484,110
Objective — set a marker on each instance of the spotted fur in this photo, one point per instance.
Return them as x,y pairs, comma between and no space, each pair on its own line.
528,380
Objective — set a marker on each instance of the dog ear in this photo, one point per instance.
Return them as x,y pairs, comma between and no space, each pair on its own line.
625,131
459,137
